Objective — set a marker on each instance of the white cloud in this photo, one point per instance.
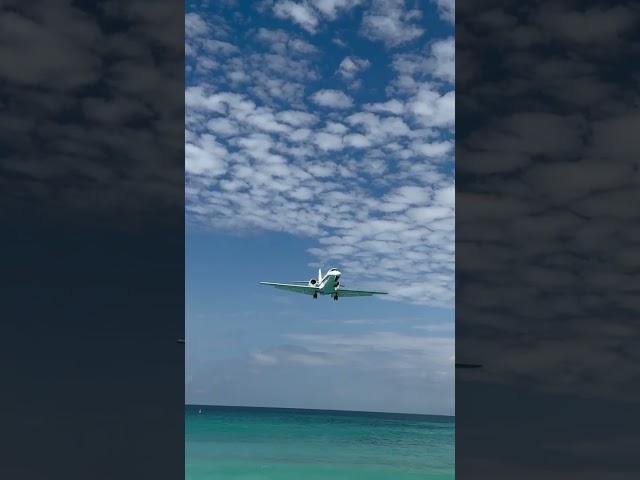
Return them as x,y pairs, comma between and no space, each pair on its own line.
447,9
223,127
276,71
335,127
392,106
417,363
293,354
206,158
332,99
331,8
200,44
300,13
351,67
195,25
309,13
282,42
379,128
297,118
433,109
405,355
218,47
368,184
357,140
264,359
442,63
328,141
427,214
389,22
413,70
435,149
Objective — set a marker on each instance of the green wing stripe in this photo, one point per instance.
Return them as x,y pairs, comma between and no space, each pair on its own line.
358,293
292,288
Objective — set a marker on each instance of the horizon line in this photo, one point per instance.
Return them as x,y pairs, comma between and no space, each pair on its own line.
319,410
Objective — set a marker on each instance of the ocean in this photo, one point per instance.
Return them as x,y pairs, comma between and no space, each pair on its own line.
243,443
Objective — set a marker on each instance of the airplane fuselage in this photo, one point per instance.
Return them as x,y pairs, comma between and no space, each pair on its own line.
328,284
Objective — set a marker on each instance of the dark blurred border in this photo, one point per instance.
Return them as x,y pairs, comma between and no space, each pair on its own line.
92,212
547,239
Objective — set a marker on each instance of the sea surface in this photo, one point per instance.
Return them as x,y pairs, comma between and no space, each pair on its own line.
242,443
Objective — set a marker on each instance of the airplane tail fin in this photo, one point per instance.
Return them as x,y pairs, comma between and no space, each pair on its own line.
319,275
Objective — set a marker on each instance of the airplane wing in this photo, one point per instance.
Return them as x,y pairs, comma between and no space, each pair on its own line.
292,288
357,293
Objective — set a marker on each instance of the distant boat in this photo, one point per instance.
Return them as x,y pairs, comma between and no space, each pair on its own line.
468,365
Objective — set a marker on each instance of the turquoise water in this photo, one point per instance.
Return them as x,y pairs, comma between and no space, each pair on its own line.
237,443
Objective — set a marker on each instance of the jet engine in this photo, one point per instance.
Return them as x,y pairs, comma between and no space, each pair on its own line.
312,282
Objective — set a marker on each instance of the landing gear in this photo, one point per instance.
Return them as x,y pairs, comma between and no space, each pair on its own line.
315,295
335,297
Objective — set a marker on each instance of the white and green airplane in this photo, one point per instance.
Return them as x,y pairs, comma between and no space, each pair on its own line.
329,284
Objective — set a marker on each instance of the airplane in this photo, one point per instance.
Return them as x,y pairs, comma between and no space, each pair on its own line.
328,284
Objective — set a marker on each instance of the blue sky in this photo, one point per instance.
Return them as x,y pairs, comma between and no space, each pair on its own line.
320,133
